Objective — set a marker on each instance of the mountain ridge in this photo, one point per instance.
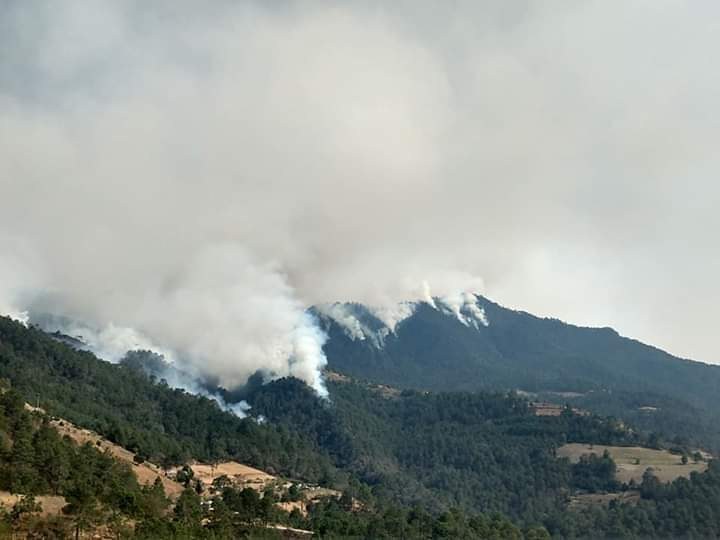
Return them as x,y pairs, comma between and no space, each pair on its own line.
517,350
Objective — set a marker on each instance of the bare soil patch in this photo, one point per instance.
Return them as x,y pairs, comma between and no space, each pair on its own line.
146,472
239,474
51,505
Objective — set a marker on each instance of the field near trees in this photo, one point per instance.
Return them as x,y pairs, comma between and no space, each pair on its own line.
633,461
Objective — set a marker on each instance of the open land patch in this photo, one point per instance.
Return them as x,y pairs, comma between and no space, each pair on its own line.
633,461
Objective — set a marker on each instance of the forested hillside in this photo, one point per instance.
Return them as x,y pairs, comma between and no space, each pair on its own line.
475,451
409,463
163,424
176,427
432,350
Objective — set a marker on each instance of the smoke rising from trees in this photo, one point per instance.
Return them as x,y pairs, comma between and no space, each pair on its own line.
201,174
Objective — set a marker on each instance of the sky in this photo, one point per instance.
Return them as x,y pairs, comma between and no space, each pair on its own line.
198,173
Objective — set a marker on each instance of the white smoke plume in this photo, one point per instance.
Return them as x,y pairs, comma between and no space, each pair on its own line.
463,306
392,315
184,202
200,173
343,316
222,312
110,343
179,379
20,279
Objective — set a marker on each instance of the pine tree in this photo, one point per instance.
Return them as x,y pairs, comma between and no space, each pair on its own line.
24,477
188,510
82,506
154,502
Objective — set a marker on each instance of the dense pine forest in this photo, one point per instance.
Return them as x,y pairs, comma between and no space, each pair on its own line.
408,463
593,368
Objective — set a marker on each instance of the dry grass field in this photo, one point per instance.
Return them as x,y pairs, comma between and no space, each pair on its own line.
146,472
239,474
633,461
51,505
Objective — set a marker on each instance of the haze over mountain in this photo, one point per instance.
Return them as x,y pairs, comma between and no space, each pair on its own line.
359,269
192,177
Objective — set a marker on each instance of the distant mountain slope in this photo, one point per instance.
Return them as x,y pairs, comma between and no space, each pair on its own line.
434,351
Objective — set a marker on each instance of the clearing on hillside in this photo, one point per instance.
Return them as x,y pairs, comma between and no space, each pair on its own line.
239,474
633,461
146,472
51,505
589,500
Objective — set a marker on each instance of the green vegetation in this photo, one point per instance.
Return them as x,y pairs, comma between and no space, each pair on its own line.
410,464
163,425
595,473
98,489
614,376
632,461
685,508
484,452
35,460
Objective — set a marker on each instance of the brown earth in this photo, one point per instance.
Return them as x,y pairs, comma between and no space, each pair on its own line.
289,506
237,473
146,472
336,377
240,475
51,505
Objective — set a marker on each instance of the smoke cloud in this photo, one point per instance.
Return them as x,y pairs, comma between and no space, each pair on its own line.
201,174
